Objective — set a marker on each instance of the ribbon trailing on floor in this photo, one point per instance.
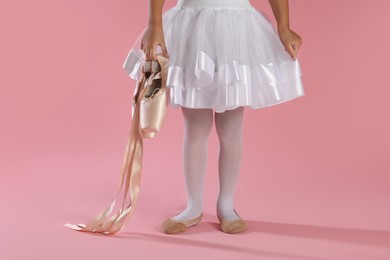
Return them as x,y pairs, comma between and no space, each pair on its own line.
130,174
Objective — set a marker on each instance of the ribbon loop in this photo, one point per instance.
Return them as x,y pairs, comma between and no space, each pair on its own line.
204,69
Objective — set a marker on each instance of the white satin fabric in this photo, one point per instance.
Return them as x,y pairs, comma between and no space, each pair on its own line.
223,54
214,3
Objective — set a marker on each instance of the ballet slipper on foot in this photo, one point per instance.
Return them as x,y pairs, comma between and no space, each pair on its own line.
171,226
232,226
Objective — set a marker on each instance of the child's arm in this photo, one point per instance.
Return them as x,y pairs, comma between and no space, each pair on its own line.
155,12
291,40
154,34
281,13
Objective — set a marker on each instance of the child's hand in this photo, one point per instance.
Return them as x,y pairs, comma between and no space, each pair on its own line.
291,41
152,37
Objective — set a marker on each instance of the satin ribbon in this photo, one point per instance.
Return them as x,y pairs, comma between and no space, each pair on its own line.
133,63
204,69
130,174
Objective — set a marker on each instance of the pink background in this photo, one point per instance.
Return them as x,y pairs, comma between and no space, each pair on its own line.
314,180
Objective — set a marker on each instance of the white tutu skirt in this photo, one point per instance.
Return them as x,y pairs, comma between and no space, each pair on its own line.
222,57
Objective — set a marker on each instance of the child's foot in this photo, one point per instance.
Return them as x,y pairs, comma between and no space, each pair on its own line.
231,226
227,214
181,222
230,221
188,213
226,211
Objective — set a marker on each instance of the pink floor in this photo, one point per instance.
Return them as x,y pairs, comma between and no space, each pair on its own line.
290,213
315,175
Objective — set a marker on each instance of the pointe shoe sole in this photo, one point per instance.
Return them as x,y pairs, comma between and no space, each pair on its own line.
171,226
232,226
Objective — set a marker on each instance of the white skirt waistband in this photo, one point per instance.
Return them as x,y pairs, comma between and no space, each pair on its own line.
214,4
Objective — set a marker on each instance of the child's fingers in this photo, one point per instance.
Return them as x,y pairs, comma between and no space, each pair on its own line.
164,50
291,51
151,53
295,46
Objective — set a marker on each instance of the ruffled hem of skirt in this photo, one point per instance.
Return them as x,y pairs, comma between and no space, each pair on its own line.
229,87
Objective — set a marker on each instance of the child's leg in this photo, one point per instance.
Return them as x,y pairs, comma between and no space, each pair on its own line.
197,127
229,129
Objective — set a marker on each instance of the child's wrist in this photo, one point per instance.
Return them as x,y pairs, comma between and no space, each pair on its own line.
155,23
283,26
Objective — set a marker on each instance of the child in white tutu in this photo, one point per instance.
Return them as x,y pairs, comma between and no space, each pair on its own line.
224,55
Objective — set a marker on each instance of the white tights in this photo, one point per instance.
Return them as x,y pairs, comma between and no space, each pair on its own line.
197,127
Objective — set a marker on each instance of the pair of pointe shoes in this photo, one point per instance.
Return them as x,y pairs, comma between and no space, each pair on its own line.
171,226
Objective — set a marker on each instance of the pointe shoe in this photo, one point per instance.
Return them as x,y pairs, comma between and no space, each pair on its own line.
232,226
171,226
152,94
